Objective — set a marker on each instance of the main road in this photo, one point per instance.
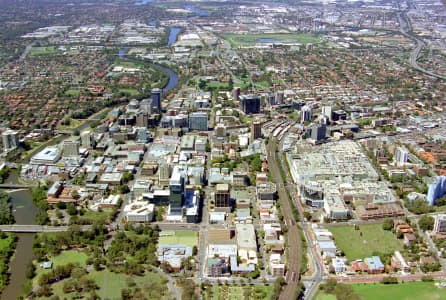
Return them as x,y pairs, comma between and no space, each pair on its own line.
293,236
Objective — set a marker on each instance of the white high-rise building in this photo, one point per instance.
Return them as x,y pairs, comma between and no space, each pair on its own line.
327,111
10,139
401,156
440,223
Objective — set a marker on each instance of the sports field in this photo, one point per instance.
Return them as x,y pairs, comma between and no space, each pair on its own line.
358,244
238,40
185,237
401,291
43,50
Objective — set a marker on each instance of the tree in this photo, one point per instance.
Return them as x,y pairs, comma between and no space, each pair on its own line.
388,224
426,222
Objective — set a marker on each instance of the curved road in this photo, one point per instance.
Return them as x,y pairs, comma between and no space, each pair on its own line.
293,236
406,30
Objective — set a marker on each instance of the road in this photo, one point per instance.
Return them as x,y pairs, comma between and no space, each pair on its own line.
406,30
293,236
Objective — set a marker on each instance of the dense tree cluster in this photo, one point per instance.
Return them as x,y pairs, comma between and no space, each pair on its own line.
6,216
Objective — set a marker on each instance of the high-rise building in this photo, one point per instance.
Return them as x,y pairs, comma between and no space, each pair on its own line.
156,99
250,104
436,189
440,223
271,99
256,130
327,111
176,187
318,132
236,94
10,139
339,115
280,97
401,156
222,197
142,119
70,148
198,121
220,130
87,140
305,114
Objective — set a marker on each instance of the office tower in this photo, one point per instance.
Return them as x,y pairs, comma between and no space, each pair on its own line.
142,119
10,139
250,104
401,156
327,111
440,223
256,130
271,99
236,94
176,187
280,97
339,115
220,130
87,140
198,121
156,99
318,132
305,114
222,197
70,148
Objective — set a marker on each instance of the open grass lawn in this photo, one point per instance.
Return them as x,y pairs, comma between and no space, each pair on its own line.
72,93
184,237
373,238
93,216
65,257
43,51
129,91
127,64
111,284
237,40
238,292
401,291
323,296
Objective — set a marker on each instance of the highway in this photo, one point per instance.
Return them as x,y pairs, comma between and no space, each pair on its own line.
406,30
293,236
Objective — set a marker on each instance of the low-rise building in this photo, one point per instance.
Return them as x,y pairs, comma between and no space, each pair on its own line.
139,212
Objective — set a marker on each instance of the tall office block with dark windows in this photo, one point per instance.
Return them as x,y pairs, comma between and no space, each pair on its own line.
176,187
250,104
156,99
222,197
198,121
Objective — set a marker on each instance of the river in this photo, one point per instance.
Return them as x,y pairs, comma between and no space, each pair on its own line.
24,213
173,34
173,77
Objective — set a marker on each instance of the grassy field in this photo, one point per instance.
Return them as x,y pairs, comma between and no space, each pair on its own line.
323,296
111,284
373,238
72,93
188,238
63,258
43,51
237,40
237,292
130,92
401,291
127,64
